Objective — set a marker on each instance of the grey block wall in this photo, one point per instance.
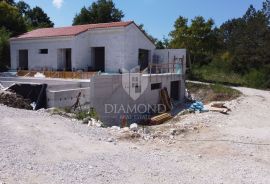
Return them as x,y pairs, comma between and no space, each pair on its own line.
107,92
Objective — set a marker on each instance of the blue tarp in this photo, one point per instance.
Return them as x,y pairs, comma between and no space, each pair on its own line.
198,106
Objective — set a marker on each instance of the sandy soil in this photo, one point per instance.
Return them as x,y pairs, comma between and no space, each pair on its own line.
36,147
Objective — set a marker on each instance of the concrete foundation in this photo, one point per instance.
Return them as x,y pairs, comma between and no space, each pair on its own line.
60,93
115,97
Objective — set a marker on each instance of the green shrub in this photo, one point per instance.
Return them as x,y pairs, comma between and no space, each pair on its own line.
80,115
217,72
257,79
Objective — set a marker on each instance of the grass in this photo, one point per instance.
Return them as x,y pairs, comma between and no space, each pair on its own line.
213,92
79,115
222,73
216,75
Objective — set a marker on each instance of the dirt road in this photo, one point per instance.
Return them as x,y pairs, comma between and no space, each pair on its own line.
38,148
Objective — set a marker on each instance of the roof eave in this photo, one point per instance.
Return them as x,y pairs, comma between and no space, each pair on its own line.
38,38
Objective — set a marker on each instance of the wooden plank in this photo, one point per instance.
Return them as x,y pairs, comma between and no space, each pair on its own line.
58,74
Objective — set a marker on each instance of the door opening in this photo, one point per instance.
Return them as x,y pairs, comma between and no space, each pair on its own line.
175,90
68,65
99,58
23,59
143,58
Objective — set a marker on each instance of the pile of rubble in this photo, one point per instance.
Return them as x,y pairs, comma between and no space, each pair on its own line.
13,100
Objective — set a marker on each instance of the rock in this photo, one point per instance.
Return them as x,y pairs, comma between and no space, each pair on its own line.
93,122
134,127
29,167
124,130
115,128
98,124
85,120
110,139
146,131
199,156
173,131
90,123
51,110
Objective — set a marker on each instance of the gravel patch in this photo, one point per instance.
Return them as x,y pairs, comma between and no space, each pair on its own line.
36,147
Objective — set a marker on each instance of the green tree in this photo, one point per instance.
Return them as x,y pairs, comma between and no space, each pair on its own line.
23,8
162,44
266,9
10,2
4,49
11,19
159,45
200,38
38,18
101,11
247,40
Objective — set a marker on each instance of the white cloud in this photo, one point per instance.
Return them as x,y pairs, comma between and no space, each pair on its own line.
58,3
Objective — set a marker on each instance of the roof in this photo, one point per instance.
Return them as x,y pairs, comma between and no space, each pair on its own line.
69,31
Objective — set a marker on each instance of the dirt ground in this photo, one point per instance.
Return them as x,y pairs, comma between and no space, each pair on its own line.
36,147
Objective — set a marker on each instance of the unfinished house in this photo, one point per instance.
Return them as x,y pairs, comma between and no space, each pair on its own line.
106,47
113,64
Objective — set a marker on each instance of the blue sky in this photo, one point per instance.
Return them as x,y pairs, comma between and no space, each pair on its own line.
158,16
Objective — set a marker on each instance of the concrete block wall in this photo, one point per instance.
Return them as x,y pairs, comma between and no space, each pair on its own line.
135,40
67,98
36,61
60,93
108,89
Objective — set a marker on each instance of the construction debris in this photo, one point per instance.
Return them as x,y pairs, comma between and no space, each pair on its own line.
159,119
34,92
188,96
14,100
133,127
218,107
165,99
93,122
198,106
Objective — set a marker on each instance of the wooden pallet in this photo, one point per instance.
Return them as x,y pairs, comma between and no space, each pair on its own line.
159,119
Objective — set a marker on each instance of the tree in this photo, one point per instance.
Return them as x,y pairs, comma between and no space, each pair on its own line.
39,19
23,8
162,44
4,48
247,39
180,34
11,19
266,9
159,45
199,38
10,2
101,11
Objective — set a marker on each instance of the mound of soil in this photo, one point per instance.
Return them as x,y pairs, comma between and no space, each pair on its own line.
13,100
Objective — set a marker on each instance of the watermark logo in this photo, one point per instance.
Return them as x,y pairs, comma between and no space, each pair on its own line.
134,84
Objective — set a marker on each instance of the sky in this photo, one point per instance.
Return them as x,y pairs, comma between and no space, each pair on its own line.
158,16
